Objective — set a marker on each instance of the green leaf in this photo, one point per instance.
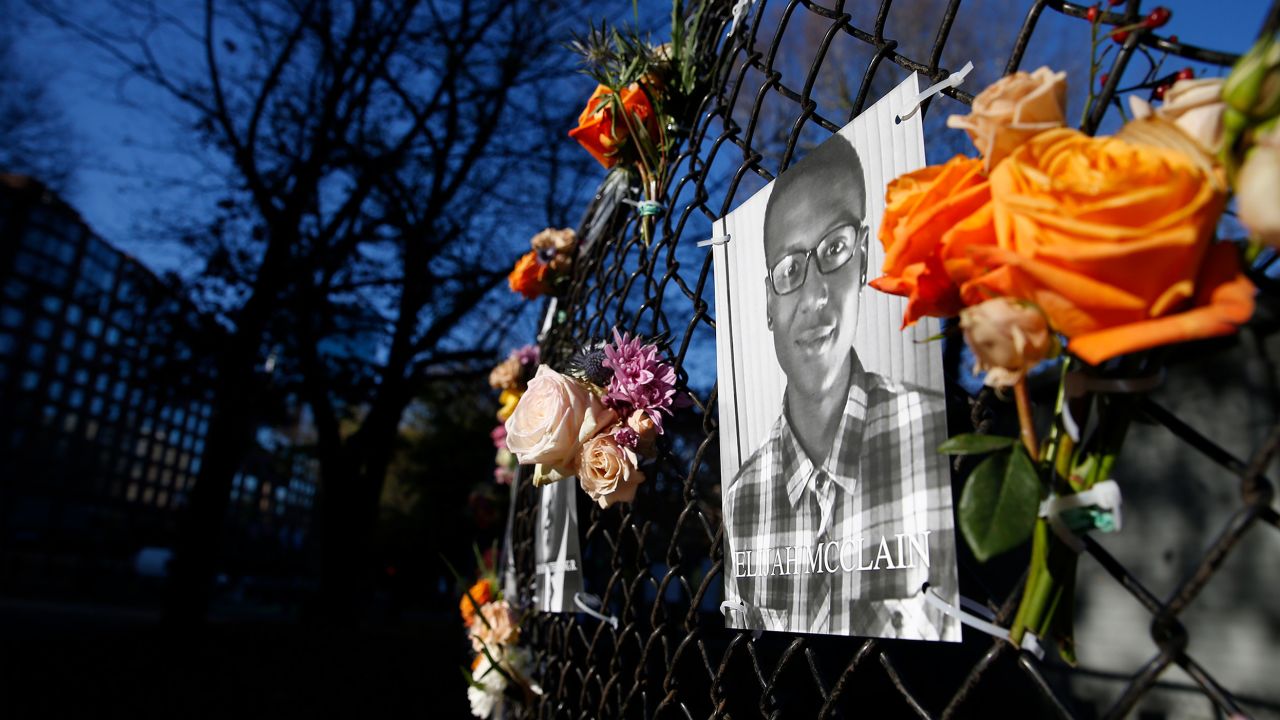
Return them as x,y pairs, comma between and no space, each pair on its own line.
999,504
975,444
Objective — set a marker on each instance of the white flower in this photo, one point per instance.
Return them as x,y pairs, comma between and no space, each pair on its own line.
488,697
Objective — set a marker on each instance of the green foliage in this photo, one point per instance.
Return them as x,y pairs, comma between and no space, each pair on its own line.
975,444
999,504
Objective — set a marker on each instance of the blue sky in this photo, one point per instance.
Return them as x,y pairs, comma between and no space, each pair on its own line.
126,135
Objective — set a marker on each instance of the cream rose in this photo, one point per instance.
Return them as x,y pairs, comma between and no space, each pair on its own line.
555,416
498,628
1013,109
1008,338
1258,190
607,471
1195,106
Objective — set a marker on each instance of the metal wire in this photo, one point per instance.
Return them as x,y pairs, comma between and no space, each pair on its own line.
657,563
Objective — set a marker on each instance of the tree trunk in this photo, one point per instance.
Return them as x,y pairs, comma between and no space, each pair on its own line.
200,528
350,506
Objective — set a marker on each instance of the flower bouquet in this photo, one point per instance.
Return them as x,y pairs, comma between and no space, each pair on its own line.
596,421
500,669
1092,250
633,120
544,270
511,378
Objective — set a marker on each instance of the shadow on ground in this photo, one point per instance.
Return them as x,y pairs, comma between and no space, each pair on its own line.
65,660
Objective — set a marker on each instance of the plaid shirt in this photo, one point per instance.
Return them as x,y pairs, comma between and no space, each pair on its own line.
839,548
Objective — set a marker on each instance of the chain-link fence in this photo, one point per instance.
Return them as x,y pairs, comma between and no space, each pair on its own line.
784,77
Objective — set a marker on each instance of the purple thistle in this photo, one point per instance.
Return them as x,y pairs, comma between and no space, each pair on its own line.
641,381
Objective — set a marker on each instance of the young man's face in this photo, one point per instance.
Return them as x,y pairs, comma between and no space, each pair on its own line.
814,320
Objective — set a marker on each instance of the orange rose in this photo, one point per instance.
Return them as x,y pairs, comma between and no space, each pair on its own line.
481,592
597,130
1112,240
921,209
529,277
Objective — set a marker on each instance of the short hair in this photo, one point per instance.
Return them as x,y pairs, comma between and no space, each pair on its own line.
835,156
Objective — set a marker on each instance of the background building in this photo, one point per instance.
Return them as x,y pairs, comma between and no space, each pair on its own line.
105,390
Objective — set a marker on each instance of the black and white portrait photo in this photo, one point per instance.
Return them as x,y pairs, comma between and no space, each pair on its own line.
556,551
837,504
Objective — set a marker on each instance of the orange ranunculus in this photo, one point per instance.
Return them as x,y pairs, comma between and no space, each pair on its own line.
922,209
482,593
598,131
529,277
1112,240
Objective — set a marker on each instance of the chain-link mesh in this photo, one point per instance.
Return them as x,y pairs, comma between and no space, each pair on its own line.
657,563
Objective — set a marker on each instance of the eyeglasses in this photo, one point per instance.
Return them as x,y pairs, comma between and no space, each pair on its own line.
832,253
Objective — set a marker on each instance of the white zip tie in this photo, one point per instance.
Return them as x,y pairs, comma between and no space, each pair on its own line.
721,240
589,604
965,618
742,608
951,81
1104,495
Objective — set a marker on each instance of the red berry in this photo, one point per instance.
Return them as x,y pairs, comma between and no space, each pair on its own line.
1185,74
1120,35
1157,18
1114,3
1102,79
1173,39
1092,14
1158,93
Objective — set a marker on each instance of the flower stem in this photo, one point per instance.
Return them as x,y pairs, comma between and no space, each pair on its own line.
1025,419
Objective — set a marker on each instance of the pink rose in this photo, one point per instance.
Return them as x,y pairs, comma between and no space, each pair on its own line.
555,416
607,470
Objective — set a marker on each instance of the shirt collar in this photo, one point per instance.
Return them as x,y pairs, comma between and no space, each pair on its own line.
799,468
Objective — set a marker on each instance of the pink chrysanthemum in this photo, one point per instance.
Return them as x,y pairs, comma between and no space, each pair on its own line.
641,381
499,436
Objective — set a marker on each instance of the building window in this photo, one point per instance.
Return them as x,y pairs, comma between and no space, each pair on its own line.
43,328
10,316
36,353
7,344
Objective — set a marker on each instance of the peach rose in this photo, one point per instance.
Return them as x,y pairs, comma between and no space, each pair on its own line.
604,136
1195,106
1012,110
556,241
1008,337
921,209
506,376
607,470
1112,241
498,629
646,432
555,416
529,277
